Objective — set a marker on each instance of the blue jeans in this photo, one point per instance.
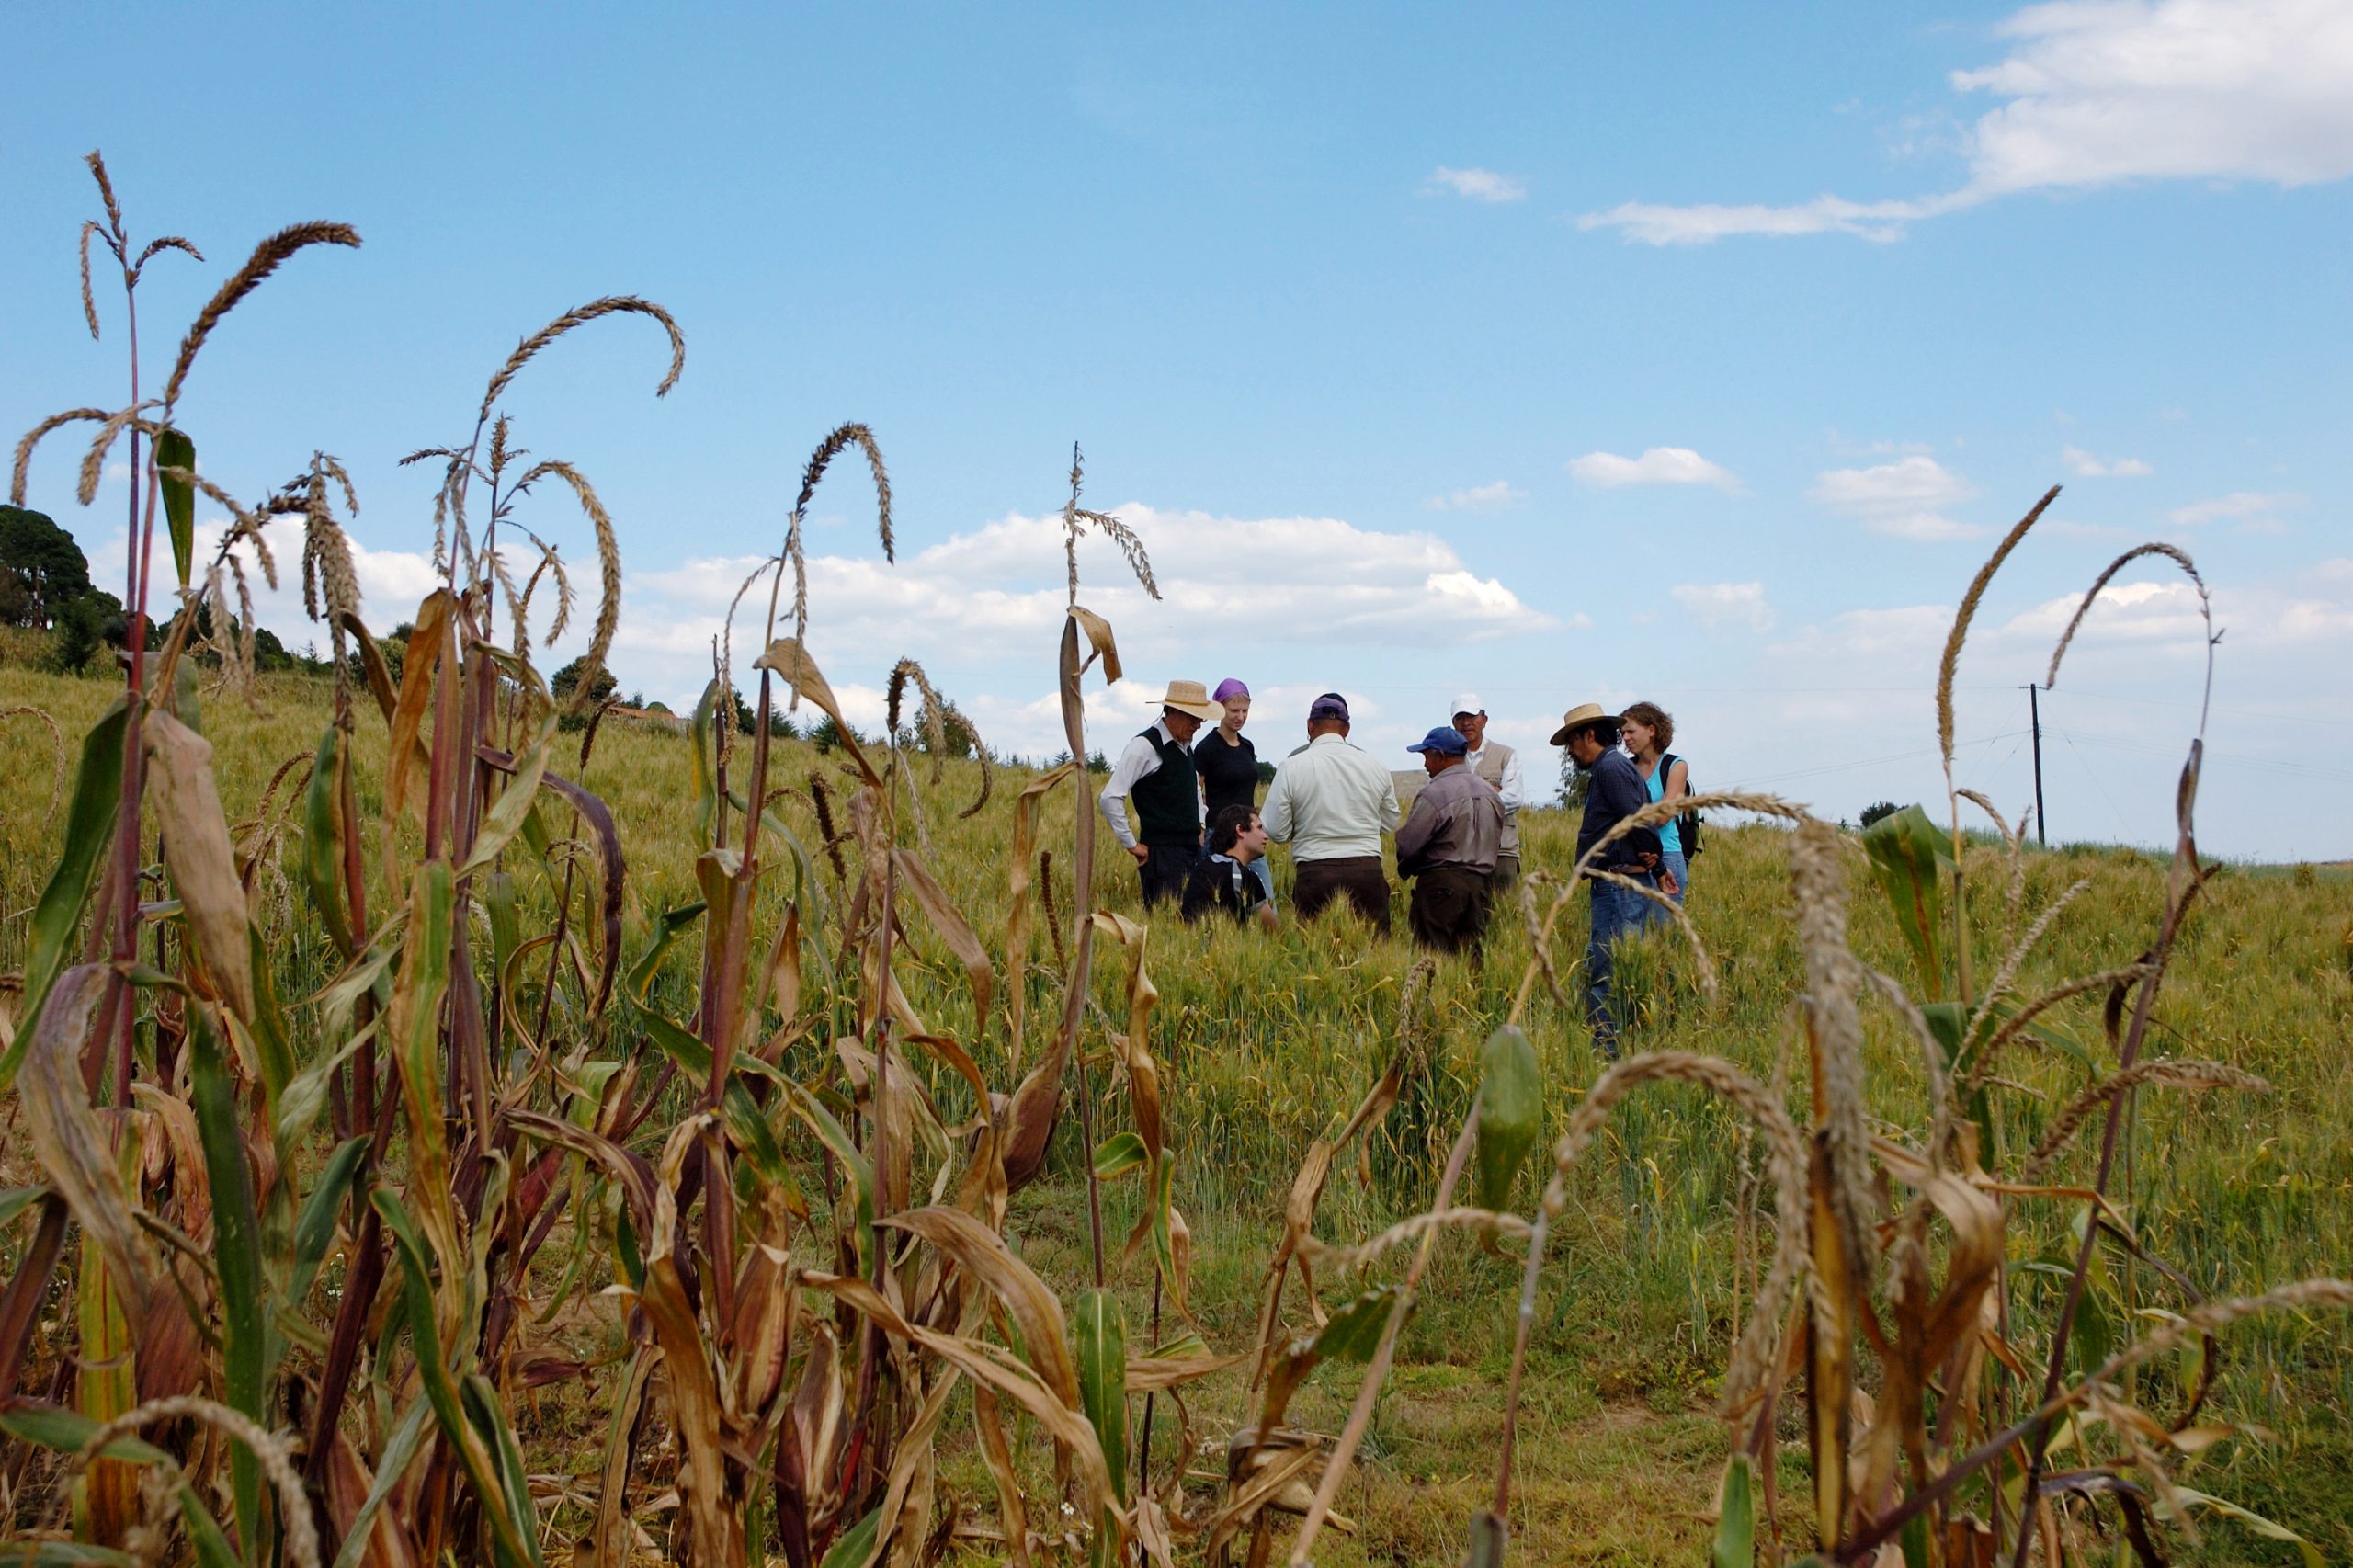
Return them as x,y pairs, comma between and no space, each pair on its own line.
1675,863
1617,912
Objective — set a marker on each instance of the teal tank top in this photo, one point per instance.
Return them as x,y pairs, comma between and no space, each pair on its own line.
1670,833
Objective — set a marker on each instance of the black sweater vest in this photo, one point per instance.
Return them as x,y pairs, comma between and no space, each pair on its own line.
1168,803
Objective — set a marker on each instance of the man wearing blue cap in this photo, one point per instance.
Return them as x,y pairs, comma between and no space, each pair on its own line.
1447,845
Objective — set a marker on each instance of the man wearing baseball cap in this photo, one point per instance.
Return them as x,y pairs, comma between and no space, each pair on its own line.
1331,802
1156,770
1447,845
1499,765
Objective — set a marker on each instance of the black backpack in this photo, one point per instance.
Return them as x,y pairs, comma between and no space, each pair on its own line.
1687,827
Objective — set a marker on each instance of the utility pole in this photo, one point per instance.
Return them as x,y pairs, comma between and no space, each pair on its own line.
2034,708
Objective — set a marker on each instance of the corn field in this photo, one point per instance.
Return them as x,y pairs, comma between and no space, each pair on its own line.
726,1113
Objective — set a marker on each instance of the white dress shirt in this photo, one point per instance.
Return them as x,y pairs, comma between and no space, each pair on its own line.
1330,801
1140,759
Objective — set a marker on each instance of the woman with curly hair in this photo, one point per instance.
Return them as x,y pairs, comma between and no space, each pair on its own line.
1648,730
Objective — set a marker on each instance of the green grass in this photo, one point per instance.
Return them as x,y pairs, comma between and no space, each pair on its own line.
1263,1041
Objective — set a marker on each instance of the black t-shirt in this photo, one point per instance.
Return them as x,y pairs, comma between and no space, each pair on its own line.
1227,885
1229,773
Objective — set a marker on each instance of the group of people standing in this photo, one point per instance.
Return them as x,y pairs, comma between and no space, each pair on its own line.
1201,839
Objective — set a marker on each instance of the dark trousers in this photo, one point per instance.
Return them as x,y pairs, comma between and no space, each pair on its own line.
1450,908
1164,869
1356,877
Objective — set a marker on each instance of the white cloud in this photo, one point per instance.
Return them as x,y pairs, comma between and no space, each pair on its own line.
1656,224
2099,92
1494,497
2091,466
1473,185
2243,507
1904,498
992,598
1716,603
393,583
1658,465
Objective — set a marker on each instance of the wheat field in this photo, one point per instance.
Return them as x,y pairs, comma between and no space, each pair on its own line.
440,1120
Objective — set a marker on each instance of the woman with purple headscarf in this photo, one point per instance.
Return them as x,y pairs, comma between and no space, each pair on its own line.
1228,765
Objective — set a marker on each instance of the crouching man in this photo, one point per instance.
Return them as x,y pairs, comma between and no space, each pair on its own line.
1224,883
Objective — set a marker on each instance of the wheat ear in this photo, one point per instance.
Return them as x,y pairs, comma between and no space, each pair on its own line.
1787,1157
1959,632
273,1452
94,462
611,304
1981,1058
608,571
156,247
2177,1074
2170,552
89,301
260,265
32,438
1833,976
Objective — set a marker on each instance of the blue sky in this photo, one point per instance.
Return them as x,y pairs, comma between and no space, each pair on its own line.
1693,352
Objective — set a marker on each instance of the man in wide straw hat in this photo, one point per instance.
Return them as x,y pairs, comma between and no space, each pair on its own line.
1616,792
1156,771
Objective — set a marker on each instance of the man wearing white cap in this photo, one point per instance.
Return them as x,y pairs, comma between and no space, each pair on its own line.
1499,765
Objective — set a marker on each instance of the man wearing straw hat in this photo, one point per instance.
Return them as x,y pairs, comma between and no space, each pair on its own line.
1156,770
1616,792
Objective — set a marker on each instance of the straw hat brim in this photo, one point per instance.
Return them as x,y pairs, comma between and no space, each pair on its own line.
1209,712
1577,718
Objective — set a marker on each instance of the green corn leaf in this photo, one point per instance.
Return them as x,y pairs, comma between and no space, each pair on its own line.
173,449
204,1531
68,1431
706,770
1511,1112
316,1231
516,1547
247,1348
669,928
1164,1234
1101,1326
829,1132
1906,850
504,818
66,1554
856,1546
745,1127
490,1417
89,829
536,837
17,1200
498,893
1354,1332
323,843
1118,1154
1735,1545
